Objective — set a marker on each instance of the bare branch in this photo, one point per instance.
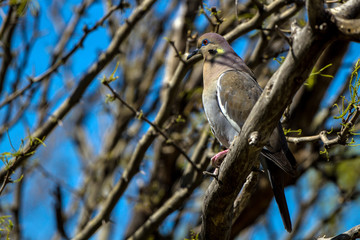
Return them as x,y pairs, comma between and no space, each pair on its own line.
350,28
113,49
341,137
157,128
180,195
351,234
214,12
244,197
59,212
348,10
298,140
256,21
53,68
317,14
178,54
263,118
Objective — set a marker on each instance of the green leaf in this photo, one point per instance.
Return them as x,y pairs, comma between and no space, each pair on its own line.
286,131
112,76
326,153
19,179
6,226
312,77
179,119
140,114
332,129
109,98
281,60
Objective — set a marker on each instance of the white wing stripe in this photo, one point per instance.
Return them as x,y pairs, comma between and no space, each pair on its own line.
223,108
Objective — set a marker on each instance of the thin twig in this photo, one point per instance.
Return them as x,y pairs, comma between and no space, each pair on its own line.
157,129
298,140
6,181
339,139
215,174
178,54
236,9
214,12
207,17
282,35
63,60
60,221
333,1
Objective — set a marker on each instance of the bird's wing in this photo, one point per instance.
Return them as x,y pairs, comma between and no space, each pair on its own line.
278,152
237,93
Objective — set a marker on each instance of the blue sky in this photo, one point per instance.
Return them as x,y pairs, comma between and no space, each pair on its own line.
64,164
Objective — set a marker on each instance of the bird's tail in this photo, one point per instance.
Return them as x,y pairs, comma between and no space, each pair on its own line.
276,176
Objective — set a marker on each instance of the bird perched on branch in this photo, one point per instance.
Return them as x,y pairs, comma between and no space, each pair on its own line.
230,92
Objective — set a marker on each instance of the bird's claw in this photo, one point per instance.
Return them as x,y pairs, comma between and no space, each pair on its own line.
215,174
218,158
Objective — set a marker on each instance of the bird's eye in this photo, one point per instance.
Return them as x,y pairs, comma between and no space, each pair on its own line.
205,42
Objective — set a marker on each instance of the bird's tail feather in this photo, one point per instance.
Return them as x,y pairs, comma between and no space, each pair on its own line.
277,183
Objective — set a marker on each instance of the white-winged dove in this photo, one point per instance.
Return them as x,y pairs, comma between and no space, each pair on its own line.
230,92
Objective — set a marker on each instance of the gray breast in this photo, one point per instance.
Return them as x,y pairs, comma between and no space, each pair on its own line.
220,126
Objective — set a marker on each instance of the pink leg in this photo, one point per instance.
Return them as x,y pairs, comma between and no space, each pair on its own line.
218,158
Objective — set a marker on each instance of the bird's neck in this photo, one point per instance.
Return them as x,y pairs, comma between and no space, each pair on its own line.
215,65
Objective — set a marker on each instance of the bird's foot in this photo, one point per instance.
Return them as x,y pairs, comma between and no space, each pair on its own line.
216,162
218,158
215,174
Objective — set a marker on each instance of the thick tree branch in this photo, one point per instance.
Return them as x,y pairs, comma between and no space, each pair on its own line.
345,17
317,14
218,203
350,28
348,10
242,201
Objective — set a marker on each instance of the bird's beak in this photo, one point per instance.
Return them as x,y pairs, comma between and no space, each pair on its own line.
196,51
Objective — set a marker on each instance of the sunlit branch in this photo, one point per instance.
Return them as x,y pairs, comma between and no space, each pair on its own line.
339,139
63,60
351,234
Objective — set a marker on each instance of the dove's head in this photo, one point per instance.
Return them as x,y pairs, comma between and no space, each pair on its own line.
211,45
